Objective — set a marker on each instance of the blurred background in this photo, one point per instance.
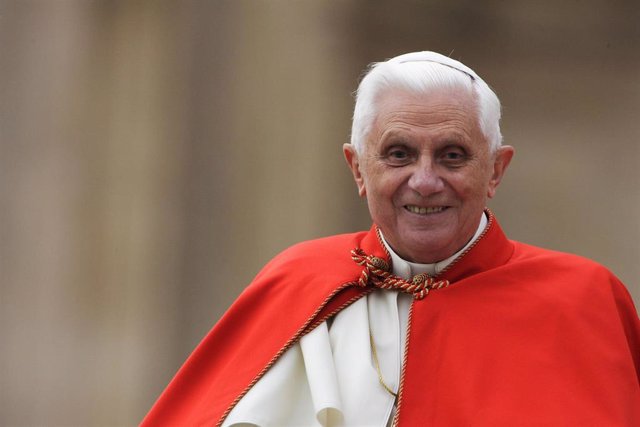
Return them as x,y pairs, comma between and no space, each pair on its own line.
155,154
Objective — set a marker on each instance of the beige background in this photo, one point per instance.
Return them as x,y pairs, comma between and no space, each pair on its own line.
155,154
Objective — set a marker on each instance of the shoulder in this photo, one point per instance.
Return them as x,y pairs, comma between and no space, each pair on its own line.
571,283
568,271
551,258
327,258
329,244
335,248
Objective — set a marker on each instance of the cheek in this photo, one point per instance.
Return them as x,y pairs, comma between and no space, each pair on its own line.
471,187
375,181
481,176
381,191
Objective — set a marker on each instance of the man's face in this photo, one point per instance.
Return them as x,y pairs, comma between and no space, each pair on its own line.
427,171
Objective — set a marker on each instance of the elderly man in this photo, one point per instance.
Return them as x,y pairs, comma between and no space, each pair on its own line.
433,317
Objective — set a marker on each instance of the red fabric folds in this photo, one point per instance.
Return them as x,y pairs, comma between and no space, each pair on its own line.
522,337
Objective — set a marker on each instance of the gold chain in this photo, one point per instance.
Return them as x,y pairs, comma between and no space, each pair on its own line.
375,360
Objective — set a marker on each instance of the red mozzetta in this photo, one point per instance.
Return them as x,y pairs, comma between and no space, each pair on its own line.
522,337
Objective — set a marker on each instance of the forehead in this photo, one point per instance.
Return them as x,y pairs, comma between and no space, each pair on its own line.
450,111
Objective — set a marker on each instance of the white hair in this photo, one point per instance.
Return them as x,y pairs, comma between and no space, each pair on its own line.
422,73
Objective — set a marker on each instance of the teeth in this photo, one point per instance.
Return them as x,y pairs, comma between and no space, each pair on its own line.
424,211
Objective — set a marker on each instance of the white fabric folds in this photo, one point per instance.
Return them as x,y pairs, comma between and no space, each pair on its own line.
329,378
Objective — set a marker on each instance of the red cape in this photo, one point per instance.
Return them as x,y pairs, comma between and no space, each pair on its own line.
523,336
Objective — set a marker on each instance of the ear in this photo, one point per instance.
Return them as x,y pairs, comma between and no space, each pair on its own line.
500,163
351,156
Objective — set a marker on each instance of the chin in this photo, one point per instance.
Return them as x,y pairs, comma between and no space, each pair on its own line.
428,247
424,252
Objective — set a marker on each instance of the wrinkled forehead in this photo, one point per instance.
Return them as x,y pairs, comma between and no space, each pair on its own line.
448,108
443,114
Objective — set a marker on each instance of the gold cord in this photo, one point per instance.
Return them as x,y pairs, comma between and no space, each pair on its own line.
375,360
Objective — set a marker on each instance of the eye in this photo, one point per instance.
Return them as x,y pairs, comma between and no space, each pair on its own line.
453,156
398,155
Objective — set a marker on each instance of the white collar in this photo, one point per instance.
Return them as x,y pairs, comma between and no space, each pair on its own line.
407,269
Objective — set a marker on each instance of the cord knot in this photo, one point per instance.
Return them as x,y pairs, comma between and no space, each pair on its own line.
376,273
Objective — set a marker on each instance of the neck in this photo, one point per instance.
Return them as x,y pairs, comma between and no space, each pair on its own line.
407,269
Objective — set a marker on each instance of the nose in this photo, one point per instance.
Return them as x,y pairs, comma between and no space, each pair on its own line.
425,179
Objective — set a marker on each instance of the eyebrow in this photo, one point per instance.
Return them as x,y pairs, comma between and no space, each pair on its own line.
399,136
396,135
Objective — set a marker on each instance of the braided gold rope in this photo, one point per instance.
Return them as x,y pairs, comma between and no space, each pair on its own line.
375,360
376,273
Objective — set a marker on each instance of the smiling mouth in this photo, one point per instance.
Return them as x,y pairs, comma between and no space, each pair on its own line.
424,211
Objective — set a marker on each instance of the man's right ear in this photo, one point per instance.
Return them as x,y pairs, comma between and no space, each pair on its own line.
351,156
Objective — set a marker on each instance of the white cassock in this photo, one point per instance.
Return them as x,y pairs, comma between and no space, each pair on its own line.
329,377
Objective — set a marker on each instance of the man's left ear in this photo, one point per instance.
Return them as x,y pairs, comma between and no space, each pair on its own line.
500,163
